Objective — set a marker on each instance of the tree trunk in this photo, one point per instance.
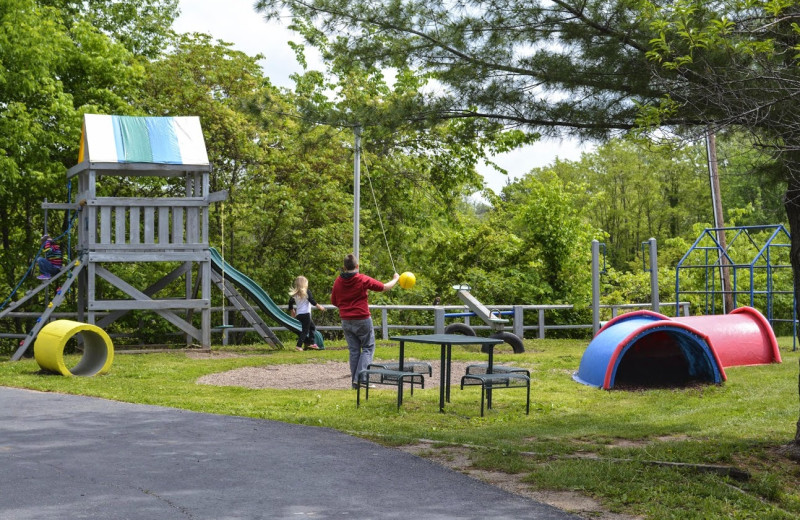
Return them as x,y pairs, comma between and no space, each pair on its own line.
792,204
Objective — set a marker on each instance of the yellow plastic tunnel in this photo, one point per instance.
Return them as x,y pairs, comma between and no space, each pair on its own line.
98,351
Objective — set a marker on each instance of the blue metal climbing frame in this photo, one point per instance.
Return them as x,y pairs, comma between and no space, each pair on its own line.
760,269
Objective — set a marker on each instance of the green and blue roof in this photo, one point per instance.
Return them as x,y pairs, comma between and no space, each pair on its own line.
130,139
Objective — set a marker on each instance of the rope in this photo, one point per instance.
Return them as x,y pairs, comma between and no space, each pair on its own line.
380,220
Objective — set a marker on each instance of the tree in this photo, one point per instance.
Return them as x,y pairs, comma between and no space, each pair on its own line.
49,75
552,66
735,63
142,27
543,214
635,190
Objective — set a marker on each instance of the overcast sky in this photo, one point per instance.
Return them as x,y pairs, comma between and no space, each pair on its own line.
236,22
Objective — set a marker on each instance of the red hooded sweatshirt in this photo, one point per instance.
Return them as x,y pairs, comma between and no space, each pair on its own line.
349,294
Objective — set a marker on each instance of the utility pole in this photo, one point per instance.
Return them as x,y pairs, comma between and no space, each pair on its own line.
719,221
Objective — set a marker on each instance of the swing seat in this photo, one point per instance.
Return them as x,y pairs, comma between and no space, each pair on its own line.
223,327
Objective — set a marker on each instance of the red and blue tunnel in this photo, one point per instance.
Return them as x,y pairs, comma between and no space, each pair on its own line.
645,348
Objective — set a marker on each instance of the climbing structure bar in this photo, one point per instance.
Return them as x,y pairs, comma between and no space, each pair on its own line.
70,274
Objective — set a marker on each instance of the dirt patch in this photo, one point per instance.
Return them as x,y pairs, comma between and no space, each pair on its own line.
330,375
638,443
210,354
790,451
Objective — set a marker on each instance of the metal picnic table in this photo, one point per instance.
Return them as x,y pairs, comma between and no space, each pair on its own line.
446,342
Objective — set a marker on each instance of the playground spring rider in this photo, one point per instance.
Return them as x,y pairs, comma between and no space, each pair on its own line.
490,318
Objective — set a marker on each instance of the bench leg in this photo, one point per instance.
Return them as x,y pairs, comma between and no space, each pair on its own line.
528,401
449,360
399,393
483,394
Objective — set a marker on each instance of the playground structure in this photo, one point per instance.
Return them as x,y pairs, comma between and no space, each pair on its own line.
648,348
114,232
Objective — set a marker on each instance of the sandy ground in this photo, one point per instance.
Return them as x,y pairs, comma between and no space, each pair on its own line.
336,375
331,375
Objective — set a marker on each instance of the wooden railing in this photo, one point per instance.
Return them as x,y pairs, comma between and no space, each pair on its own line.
144,223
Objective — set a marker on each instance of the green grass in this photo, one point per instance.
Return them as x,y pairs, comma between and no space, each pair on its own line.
601,443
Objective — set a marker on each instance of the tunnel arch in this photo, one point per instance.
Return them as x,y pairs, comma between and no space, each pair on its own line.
647,348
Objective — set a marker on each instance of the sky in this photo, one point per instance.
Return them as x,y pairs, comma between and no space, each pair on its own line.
236,22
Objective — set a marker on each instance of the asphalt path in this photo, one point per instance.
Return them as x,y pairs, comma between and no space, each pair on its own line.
71,457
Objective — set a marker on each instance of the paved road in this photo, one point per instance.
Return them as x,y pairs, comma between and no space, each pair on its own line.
70,457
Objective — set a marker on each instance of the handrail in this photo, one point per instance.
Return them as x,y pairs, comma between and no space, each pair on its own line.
518,327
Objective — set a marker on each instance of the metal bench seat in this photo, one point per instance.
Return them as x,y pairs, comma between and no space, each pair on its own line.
419,367
496,369
494,381
378,376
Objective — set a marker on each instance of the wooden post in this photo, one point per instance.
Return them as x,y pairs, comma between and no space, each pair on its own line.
719,221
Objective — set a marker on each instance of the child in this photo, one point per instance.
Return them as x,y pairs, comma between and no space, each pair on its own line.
349,294
300,296
50,262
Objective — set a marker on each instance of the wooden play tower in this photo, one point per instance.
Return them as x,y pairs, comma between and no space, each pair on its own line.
171,230
124,230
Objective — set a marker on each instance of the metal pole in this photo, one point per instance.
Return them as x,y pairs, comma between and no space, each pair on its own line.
654,275
356,189
595,286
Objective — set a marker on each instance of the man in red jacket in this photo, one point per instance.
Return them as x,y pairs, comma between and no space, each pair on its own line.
350,291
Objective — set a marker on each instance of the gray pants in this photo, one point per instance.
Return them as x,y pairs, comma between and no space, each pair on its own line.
360,336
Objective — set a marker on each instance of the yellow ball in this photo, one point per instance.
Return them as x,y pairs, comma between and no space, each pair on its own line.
407,280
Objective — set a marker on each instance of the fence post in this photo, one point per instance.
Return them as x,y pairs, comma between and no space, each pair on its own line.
438,320
541,323
519,322
385,323
595,286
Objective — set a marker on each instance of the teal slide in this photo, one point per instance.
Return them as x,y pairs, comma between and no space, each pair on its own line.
262,299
